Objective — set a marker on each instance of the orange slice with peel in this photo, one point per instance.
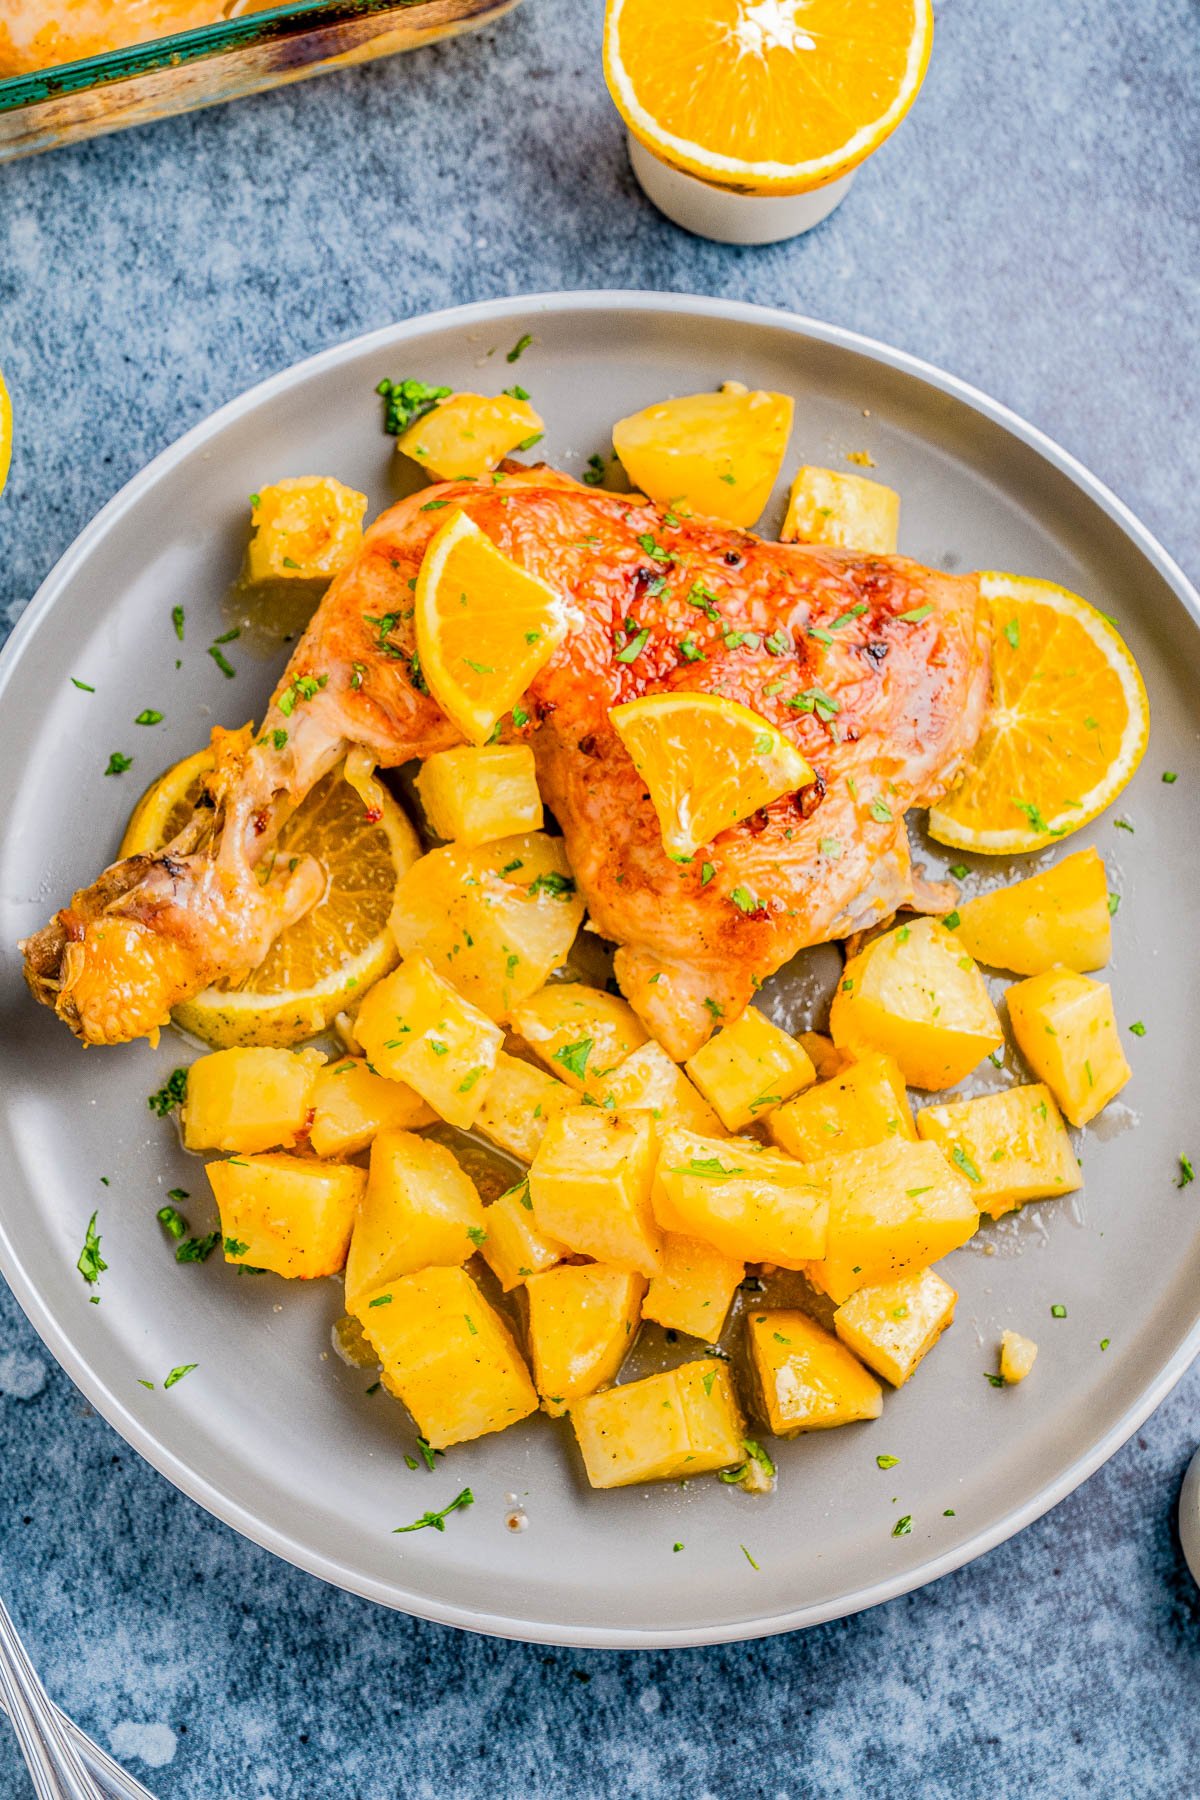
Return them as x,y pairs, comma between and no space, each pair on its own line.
766,96
1067,725
707,762
484,627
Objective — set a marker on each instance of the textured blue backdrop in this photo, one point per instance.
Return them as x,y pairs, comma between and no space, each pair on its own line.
1035,227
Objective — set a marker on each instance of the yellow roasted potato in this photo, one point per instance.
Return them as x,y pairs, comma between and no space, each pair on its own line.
1067,1032
590,1185
866,1104
416,1028
518,1105
753,1205
894,1208
469,434
1012,1146
827,507
1059,918
514,1248
805,1379
893,1326
581,1033
493,920
1017,1356
582,1321
648,1081
448,1356
693,1289
667,1427
917,996
715,454
286,1214
479,792
352,1105
420,1208
304,529
748,1068
249,1099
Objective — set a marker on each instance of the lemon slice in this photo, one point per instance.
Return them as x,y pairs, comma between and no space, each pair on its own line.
707,762
328,959
1066,728
484,627
766,96
6,432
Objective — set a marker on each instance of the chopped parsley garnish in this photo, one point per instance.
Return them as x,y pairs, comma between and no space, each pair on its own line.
173,1220
959,871
407,401
778,644
755,1455
1114,902
469,1079
709,1167
222,661
1036,821
1186,1172
704,598
84,686
197,1249
594,474
117,764
847,618
952,921
744,900
962,1161
559,887
574,1057
1012,632
177,612
635,647
477,1235
691,650
914,616
149,715
831,848
516,392
903,1526
178,1373
1118,824
996,1380
519,348
653,548
380,1300
886,1462
170,1095
428,1453
437,1520
706,874
279,738
535,437
1138,1029
742,1547
303,687
881,811
91,1264
385,624
1058,1311
235,1247
1170,777
814,699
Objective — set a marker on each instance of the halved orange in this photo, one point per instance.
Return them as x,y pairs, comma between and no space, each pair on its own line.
484,627
766,96
1066,728
327,960
707,762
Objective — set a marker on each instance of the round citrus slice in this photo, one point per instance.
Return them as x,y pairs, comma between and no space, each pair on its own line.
6,432
1067,724
766,96
707,762
484,627
328,959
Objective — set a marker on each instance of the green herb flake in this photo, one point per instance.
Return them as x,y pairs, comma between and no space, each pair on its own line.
197,1249
1138,1029
404,403
171,1094
574,1057
149,715
748,1556
173,1220
84,686
634,649
886,1462
1186,1172
1114,902
222,661
744,900
91,1264
914,615
117,764
903,1526
1058,1311
235,1247
437,1520
178,1373
519,348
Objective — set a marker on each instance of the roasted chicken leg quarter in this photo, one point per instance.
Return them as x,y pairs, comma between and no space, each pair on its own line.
875,667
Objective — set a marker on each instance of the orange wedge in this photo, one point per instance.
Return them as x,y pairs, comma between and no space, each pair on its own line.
484,627
707,762
1067,725
766,96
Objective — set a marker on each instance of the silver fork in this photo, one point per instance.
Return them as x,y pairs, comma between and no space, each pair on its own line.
63,1762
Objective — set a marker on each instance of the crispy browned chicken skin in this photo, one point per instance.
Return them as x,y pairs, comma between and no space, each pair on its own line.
875,667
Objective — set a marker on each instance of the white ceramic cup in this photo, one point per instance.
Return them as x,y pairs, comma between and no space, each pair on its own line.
727,217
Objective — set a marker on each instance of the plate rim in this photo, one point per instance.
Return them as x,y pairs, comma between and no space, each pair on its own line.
208,1493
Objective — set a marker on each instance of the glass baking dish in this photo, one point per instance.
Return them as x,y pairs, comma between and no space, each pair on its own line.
239,56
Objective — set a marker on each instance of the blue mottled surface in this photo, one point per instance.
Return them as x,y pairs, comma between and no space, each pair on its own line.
1034,227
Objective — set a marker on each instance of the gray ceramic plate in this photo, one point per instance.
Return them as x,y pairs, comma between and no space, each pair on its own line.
272,1432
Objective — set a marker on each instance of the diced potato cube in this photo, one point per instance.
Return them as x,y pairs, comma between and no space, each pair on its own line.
748,1068
1017,1356
480,792
1059,918
581,1033
493,920
469,434
824,1054
866,1104
514,1248
286,1214
893,1209
352,1105
648,1081
916,995
416,1028
582,1320
448,1356
892,1327
420,1208
519,1104
249,1099
1066,1030
305,529
807,1381
753,1205
1011,1146
694,1289
590,1183
714,454
685,1422
827,507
